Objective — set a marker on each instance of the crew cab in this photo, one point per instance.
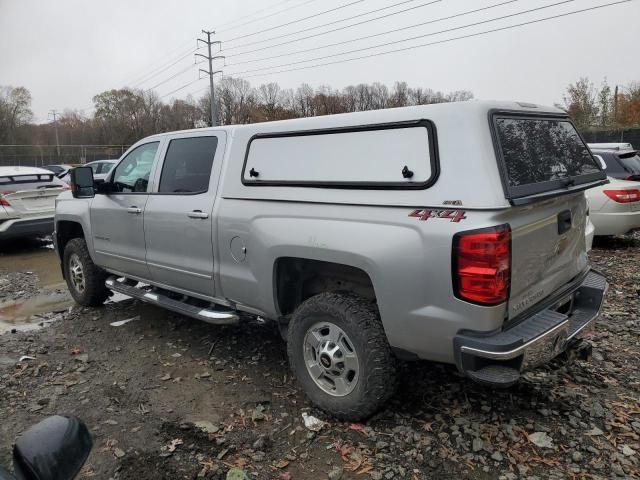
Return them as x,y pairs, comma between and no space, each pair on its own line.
453,233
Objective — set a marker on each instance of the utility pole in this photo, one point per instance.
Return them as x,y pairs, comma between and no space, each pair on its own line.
210,72
54,113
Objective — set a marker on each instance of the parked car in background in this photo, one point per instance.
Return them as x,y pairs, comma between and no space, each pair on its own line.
614,209
27,201
101,168
589,233
623,162
59,170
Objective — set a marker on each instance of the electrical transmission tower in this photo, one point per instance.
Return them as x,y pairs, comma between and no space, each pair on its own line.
210,57
54,114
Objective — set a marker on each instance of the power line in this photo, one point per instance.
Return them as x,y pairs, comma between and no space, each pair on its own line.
164,67
180,88
471,35
375,34
295,21
177,52
326,25
268,16
331,23
386,44
189,67
242,17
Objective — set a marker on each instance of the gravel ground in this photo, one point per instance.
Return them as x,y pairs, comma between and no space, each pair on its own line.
166,397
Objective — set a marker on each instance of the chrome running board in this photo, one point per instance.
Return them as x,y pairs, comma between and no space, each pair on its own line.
156,297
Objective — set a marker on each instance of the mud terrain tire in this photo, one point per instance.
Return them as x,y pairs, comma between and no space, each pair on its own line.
358,322
84,279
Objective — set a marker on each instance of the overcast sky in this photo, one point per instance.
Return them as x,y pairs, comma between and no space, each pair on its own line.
66,51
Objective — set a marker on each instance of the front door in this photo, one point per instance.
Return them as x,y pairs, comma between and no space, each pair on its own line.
117,217
178,222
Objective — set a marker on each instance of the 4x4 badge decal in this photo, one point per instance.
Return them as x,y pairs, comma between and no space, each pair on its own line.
427,213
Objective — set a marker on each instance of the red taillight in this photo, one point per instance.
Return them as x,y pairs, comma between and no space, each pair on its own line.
626,195
482,265
3,201
634,178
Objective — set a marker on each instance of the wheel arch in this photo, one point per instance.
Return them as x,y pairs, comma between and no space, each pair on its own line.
65,231
295,279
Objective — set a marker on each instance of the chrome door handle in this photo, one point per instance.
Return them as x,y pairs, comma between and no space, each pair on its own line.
198,214
134,210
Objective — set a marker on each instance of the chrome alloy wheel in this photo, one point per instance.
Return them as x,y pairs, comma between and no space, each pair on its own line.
76,273
331,359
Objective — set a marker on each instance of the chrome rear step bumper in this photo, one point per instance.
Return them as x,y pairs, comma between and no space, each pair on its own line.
157,297
497,359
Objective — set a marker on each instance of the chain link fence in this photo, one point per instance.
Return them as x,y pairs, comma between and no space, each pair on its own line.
40,155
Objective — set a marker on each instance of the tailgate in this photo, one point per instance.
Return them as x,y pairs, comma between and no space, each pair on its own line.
30,193
548,249
546,167
34,201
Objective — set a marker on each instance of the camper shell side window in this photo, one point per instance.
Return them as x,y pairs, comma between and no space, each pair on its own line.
400,155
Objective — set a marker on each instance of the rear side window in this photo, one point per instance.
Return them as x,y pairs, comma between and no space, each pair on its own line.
631,162
542,154
187,165
17,183
613,166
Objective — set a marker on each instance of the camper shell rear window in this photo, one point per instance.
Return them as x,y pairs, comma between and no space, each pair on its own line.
540,154
385,156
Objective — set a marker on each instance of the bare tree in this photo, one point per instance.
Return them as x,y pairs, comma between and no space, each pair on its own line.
605,104
580,102
15,111
270,97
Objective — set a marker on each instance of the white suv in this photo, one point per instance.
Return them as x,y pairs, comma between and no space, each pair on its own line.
27,201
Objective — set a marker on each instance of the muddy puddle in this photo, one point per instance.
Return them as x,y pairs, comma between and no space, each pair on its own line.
33,312
38,258
32,255
41,304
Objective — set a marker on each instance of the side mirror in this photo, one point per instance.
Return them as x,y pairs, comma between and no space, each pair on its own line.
601,161
54,449
82,184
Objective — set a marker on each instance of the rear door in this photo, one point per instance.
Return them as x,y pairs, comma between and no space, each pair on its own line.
545,166
178,221
30,195
117,217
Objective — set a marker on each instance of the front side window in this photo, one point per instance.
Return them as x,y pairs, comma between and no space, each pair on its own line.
187,165
132,174
541,154
95,167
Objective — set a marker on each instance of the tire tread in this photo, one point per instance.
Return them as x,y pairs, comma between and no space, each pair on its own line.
95,292
381,378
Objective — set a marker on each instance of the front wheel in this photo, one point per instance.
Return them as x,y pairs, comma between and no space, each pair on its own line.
84,278
339,353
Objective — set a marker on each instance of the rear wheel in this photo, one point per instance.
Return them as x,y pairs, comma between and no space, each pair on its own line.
84,278
339,353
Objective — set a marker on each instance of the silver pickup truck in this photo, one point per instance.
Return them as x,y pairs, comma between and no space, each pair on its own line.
453,233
